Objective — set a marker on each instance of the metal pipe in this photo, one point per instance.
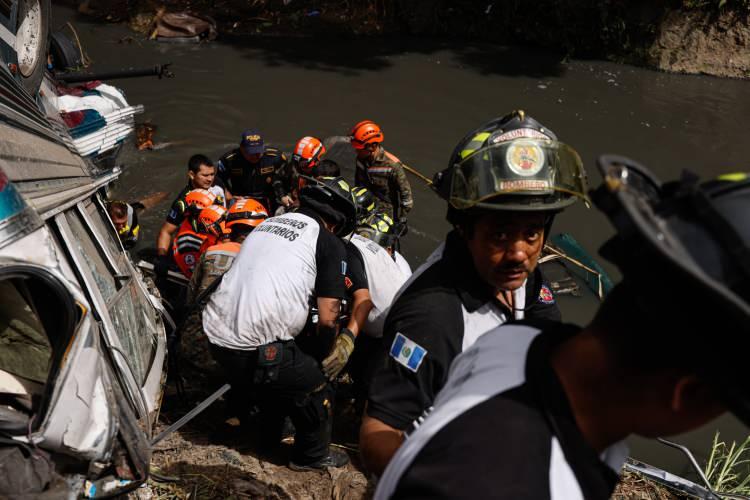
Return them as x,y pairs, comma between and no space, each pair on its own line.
699,471
160,71
192,413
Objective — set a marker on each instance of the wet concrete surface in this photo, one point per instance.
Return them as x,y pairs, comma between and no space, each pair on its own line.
426,94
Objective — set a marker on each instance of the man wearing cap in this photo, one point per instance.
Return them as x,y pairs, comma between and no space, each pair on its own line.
542,410
256,171
504,184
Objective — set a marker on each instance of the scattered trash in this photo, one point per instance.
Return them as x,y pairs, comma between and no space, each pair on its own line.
182,27
144,136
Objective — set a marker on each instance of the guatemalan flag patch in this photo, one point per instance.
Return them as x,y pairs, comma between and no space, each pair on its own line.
407,352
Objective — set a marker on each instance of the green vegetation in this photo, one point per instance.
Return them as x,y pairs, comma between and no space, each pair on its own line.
727,468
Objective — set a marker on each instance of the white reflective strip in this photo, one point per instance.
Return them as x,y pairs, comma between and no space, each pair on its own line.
221,252
479,322
496,363
7,37
563,484
519,301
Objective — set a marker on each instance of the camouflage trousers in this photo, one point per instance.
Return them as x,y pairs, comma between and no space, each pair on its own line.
194,346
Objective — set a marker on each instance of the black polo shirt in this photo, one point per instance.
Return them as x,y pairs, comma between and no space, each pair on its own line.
504,428
356,276
442,311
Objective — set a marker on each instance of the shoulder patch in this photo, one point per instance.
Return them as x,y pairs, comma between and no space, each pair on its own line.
545,295
407,352
343,267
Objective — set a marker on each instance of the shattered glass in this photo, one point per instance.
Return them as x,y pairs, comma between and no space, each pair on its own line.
105,282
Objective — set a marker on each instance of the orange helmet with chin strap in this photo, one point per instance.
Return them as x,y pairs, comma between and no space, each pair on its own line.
364,133
211,220
246,212
307,154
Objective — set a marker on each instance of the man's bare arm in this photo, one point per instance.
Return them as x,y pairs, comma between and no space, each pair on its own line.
360,310
378,442
165,238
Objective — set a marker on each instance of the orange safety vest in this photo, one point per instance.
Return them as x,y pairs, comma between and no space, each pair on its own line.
188,246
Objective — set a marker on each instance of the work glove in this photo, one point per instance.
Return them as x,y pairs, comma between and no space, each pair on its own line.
339,355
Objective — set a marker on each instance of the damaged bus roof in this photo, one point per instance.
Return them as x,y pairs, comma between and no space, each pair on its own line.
84,344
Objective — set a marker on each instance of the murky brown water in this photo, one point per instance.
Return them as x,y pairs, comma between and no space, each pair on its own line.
426,95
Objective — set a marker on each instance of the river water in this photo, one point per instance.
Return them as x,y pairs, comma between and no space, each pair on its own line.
426,94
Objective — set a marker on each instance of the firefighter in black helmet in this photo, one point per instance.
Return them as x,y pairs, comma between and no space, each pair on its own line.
504,184
665,353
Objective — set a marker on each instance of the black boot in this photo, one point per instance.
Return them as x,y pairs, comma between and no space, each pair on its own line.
333,459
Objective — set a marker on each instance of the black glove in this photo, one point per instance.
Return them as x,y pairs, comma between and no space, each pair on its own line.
161,267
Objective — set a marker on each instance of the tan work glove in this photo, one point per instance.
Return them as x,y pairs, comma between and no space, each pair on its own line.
339,354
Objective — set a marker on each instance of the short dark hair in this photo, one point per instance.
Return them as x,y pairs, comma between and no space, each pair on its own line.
327,168
195,162
118,209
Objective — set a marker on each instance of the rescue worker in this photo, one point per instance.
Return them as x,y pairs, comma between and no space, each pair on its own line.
253,317
244,216
504,184
381,172
195,236
201,175
125,219
381,229
367,205
542,411
241,218
256,171
306,156
374,241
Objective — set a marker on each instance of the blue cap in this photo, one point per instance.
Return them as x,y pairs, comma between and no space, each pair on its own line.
252,142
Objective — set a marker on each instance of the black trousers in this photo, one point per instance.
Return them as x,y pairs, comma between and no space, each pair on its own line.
300,391
361,364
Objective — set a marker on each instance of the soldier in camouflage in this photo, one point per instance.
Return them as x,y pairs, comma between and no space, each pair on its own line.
381,172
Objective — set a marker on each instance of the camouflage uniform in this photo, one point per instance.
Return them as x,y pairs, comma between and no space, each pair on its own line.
384,175
213,264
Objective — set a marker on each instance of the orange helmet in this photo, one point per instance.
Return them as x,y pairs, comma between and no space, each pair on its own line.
246,212
307,153
366,132
198,199
211,220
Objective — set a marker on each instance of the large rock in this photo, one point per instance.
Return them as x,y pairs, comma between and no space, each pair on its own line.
700,42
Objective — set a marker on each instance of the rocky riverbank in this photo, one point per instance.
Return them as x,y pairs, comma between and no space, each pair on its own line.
679,36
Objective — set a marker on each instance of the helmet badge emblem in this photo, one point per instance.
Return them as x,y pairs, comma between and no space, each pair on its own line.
525,159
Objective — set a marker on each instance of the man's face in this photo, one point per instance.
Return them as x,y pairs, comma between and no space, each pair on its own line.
252,158
119,222
506,246
368,151
203,178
